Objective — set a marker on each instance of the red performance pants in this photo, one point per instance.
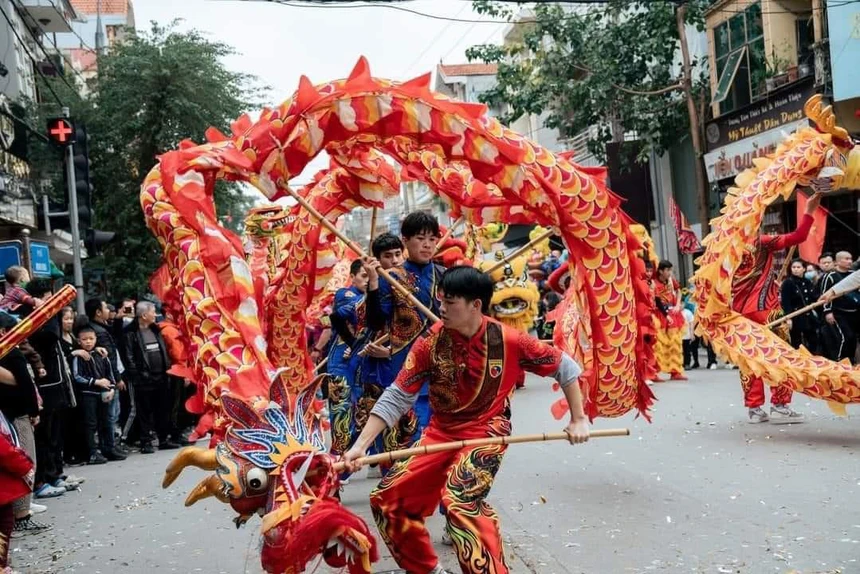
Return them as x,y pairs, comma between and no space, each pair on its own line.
754,392
461,480
753,386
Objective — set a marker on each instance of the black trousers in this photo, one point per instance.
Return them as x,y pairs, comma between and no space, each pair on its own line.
97,419
805,334
154,402
75,447
49,446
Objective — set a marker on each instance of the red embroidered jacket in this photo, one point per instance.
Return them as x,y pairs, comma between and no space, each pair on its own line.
755,294
471,379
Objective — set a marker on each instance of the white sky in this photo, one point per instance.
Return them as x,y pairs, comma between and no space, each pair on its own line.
279,43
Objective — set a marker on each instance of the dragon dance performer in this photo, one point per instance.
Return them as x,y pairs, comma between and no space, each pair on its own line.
347,322
387,248
670,322
472,363
389,308
755,295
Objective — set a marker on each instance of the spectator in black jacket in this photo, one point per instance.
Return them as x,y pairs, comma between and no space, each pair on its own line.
55,389
98,313
19,402
96,387
146,364
797,292
840,315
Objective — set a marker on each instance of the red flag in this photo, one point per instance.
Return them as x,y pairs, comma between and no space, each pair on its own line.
687,240
810,250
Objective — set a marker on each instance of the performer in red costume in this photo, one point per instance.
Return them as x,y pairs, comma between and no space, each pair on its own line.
472,363
755,295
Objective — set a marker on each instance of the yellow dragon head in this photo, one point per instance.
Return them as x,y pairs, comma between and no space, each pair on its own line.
515,296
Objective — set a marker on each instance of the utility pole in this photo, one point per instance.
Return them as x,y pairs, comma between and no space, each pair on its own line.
695,126
73,223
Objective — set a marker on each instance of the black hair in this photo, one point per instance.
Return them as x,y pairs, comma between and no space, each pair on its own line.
7,321
419,222
665,264
355,266
552,300
13,274
93,306
385,242
469,283
40,287
84,328
825,254
649,264
798,260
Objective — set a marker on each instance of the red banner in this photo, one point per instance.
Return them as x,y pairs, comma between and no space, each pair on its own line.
810,250
687,240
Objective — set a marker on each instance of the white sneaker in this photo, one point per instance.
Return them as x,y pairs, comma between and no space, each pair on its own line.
757,415
713,367
37,508
72,479
784,415
374,472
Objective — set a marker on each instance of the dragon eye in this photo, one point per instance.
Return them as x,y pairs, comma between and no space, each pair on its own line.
257,479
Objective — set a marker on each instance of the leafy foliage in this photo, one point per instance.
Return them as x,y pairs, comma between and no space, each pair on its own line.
596,66
152,91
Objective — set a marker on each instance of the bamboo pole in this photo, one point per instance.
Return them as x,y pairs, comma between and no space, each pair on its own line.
361,253
520,251
794,314
372,230
786,264
448,234
457,445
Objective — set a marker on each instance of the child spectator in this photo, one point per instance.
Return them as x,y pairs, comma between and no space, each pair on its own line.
16,480
16,295
95,384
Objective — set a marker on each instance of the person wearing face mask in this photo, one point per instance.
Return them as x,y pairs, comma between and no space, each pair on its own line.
796,292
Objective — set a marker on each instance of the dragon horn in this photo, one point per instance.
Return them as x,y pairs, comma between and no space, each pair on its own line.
209,486
203,458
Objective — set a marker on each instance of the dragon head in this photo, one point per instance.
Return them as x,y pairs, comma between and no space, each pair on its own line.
515,296
273,462
836,160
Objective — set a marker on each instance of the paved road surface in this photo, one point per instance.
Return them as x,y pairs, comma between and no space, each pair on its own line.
699,490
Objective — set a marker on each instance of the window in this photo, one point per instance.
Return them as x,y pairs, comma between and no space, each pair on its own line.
740,60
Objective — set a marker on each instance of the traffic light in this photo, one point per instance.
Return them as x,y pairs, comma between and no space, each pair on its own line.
95,240
83,186
61,131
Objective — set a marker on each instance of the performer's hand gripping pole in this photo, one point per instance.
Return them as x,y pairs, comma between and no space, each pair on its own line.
361,253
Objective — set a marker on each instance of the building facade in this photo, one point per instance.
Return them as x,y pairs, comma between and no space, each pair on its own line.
767,59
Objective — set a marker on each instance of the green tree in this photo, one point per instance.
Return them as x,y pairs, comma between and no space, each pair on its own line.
610,66
152,91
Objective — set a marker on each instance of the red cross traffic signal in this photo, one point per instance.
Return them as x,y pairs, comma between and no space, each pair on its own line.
61,131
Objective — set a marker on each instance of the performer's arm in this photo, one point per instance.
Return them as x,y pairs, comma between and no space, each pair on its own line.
799,235
850,283
395,401
378,298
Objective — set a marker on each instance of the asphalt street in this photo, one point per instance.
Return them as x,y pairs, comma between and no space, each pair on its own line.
697,490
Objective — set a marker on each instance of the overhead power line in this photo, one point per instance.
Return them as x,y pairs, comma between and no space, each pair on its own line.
396,6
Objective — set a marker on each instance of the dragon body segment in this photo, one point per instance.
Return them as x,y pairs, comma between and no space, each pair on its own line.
803,156
243,313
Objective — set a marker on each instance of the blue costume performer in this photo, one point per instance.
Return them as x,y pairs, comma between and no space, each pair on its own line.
388,307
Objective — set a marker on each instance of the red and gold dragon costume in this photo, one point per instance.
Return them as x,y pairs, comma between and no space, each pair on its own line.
245,325
747,343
